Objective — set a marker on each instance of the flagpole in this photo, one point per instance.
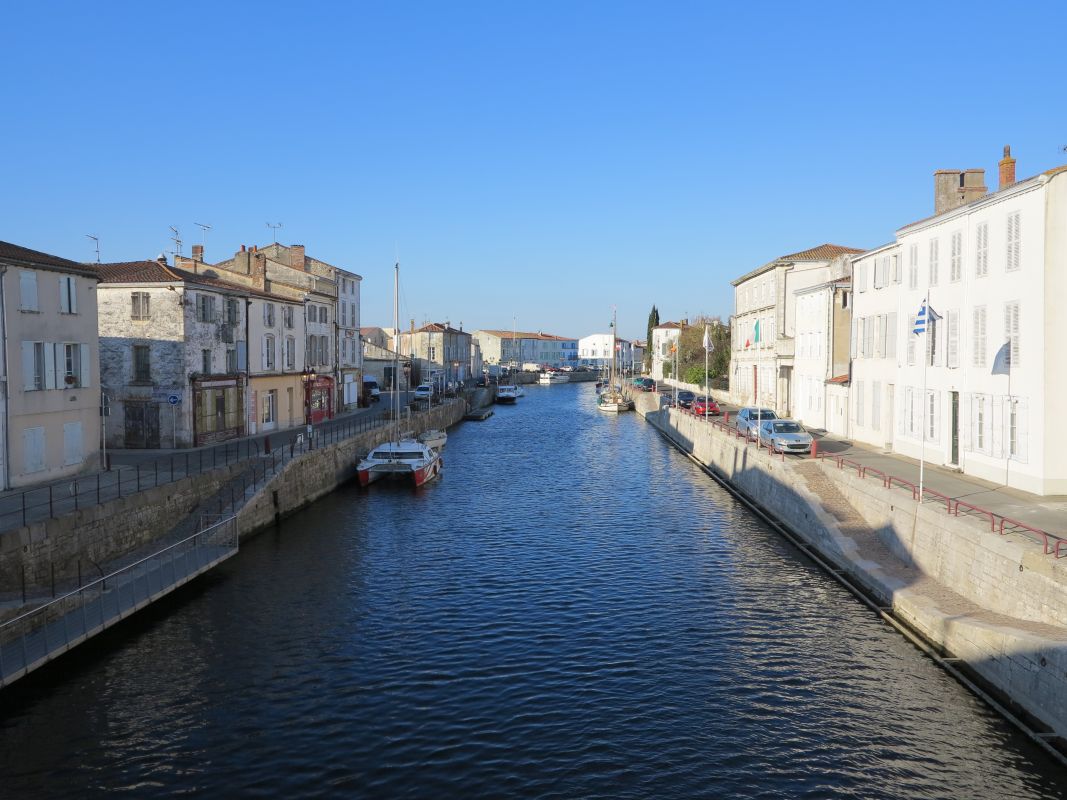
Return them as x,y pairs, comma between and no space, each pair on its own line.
707,394
1007,461
925,402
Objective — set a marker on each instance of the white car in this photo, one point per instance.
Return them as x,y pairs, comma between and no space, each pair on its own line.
785,436
750,418
423,391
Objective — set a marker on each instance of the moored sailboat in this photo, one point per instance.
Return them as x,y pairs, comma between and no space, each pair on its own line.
611,398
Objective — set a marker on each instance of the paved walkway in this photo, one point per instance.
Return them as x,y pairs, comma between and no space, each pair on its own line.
1049,513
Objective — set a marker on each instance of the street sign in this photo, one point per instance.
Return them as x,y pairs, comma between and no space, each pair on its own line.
174,399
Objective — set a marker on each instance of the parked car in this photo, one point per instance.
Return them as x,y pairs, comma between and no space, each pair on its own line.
648,385
750,417
706,405
424,391
785,436
686,398
371,389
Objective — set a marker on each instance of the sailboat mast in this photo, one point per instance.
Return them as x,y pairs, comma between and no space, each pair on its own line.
396,353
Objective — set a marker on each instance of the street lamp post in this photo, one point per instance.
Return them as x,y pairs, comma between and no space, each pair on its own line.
309,377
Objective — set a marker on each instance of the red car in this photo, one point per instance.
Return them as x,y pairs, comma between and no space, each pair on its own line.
705,406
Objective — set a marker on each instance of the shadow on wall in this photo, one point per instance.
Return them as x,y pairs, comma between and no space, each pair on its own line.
1021,664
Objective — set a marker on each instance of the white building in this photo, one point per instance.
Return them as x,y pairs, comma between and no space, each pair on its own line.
665,338
763,325
821,353
50,408
515,348
993,267
595,351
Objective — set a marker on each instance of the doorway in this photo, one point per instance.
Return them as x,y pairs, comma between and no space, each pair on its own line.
142,425
954,399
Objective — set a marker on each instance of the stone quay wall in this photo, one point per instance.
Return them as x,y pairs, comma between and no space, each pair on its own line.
997,603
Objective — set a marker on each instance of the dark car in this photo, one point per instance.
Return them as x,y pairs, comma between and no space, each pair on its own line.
686,398
706,406
648,385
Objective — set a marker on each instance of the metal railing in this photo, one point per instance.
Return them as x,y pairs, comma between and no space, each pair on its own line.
1052,544
36,637
57,499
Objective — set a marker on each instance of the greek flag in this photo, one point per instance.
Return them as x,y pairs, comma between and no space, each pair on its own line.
920,320
707,340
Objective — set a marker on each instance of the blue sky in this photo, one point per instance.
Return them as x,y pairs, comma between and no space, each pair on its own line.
537,161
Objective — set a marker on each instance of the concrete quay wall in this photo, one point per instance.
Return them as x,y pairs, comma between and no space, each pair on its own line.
316,474
997,603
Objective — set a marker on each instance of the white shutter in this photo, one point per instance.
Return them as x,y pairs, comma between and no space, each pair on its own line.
87,372
891,340
73,452
934,253
263,354
28,367
50,379
1012,259
64,295
28,291
911,339
876,405
73,295
953,339
33,449
883,331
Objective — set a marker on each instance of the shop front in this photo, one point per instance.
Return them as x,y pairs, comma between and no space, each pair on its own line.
318,398
218,410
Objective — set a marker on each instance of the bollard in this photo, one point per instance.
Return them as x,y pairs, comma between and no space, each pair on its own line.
726,417
814,448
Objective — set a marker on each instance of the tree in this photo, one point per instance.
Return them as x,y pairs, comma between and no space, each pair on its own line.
653,321
691,350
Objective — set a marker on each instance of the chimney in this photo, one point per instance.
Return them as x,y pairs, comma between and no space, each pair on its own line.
258,271
161,259
242,248
953,188
1007,169
296,257
198,252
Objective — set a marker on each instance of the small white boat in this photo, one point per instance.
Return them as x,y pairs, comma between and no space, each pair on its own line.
553,377
407,459
434,438
507,393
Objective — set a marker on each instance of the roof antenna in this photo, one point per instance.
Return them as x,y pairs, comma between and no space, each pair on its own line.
204,228
97,240
177,239
274,229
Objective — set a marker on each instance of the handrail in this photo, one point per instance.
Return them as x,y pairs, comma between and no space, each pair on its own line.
81,589
973,507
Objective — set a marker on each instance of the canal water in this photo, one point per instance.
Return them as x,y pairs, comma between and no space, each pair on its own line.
572,611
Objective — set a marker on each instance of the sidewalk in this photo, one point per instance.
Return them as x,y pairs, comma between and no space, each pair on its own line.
1049,513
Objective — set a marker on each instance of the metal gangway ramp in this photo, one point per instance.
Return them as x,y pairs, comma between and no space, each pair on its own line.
33,639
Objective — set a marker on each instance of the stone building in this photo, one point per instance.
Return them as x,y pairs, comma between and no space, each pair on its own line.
438,352
50,418
174,353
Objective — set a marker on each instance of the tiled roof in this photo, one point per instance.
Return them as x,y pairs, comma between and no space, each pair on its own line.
824,252
158,272
525,335
438,327
671,325
839,379
22,256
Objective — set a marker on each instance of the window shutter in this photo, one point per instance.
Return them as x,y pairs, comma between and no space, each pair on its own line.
64,295
28,290
911,339
263,355
242,355
28,382
50,354
891,332
1012,262
953,338
87,374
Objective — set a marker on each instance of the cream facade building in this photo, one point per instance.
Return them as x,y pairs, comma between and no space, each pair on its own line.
664,338
763,326
51,411
821,352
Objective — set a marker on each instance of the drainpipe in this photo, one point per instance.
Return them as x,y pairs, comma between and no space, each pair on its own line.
7,394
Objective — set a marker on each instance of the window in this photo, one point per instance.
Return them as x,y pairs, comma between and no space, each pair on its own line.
142,364
268,315
1012,256
324,314
312,313
68,295
34,367
27,291
205,308
913,266
911,339
933,351
955,270
287,316
72,444
935,248
312,350
232,313
139,308
1011,330
978,337
205,362
268,352
861,277
324,349
344,313
432,356
270,406
981,250
231,361
891,336
979,418
72,365
897,276
952,351
290,352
